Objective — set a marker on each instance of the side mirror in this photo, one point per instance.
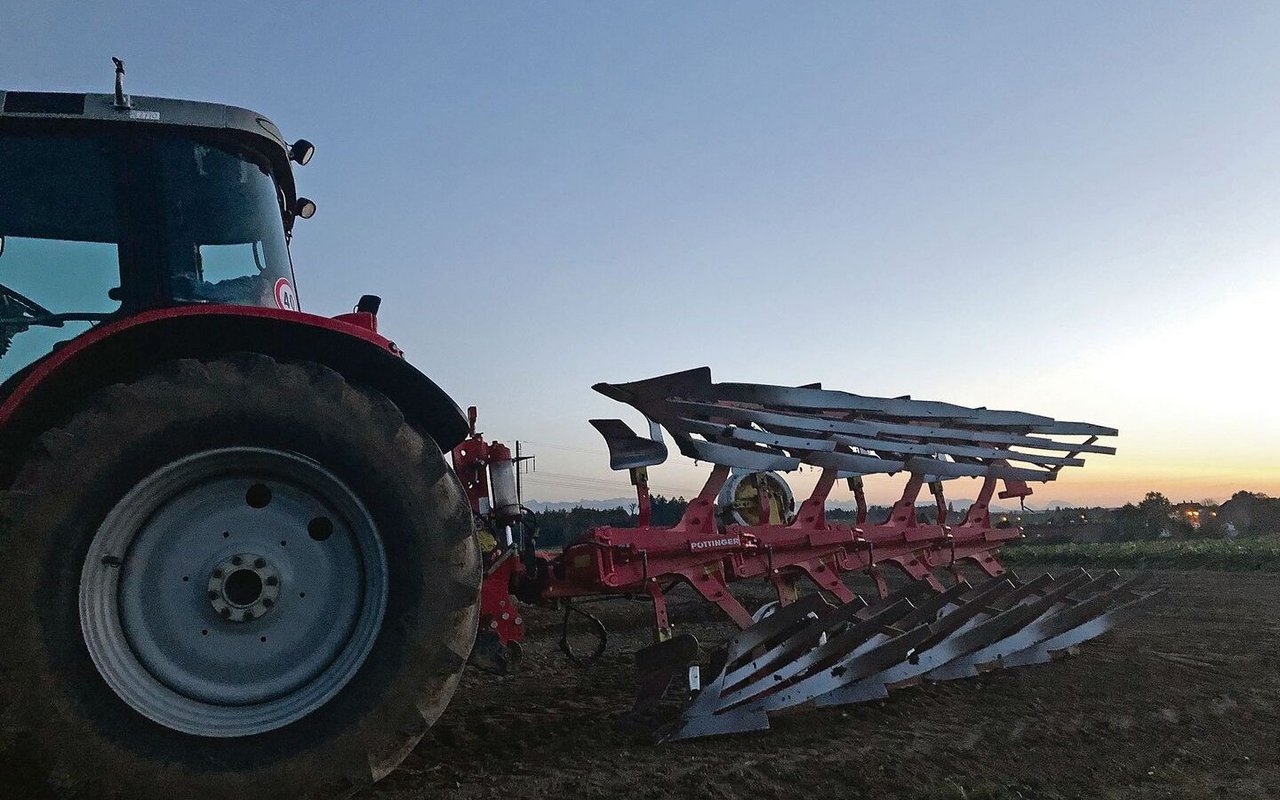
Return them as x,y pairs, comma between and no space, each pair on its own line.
301,152
304,207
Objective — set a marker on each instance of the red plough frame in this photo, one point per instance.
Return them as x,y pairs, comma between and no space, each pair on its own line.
697,551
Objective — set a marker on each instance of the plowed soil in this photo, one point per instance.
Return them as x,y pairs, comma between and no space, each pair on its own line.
1182,701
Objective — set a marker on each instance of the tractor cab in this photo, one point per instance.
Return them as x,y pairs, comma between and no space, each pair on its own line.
111,205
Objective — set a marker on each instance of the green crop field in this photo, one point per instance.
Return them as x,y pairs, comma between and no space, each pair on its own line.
1245,553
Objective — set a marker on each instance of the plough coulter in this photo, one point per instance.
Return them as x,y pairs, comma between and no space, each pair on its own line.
234,557
831,646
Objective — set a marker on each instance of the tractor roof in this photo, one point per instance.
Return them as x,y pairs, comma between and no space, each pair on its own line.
76,111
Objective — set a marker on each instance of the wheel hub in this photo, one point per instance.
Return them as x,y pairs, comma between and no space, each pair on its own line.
243,588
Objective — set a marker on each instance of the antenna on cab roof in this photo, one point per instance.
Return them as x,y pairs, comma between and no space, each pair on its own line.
122,100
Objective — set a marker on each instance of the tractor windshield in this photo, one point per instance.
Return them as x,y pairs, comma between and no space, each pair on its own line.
225,234
95,225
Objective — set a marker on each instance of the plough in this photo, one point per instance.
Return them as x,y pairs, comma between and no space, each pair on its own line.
830,647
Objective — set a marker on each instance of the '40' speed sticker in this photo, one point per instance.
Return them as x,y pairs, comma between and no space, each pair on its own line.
285,298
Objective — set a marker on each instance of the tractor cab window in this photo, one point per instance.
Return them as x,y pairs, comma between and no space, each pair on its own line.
89,222
224,232
59,242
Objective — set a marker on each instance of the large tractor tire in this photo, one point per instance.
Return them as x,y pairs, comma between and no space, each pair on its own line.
230,579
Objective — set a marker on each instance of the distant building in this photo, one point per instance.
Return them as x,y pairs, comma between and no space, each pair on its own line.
1193,514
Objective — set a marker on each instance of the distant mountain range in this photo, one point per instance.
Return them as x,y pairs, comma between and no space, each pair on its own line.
596,505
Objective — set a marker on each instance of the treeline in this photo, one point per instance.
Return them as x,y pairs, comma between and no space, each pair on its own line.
1154,517
1157,517
558,528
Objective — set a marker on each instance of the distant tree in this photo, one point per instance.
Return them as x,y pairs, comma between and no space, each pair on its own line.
1251,512
1129,524
1158,515
1155,506
667,511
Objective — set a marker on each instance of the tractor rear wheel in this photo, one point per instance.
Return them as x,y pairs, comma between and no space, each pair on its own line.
229,579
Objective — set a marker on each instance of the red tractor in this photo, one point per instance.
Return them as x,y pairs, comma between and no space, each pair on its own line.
233,555
235,560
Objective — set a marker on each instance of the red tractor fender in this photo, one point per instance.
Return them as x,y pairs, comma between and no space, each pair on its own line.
52,389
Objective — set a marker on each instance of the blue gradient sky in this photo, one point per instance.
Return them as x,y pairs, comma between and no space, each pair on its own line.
1070,209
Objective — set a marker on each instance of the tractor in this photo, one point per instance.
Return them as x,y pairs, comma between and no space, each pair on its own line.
234,557
247,550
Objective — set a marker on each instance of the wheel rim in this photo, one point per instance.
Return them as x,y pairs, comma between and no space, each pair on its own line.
233,592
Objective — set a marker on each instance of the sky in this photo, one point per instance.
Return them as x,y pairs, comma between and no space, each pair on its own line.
1070,209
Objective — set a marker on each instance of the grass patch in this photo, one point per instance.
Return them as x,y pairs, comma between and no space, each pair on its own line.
1244,553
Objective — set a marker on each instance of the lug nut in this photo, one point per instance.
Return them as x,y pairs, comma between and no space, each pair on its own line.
272,580
226,613
217,573
236,560
259,563
267,602
213,595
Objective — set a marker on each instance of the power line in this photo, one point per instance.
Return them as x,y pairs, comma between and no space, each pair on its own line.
566,480
564,447
586,482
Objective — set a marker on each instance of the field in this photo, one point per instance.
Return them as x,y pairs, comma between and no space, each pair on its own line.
1244,553
1182,702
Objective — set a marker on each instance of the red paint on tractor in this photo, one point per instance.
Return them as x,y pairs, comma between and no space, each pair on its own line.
52,363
